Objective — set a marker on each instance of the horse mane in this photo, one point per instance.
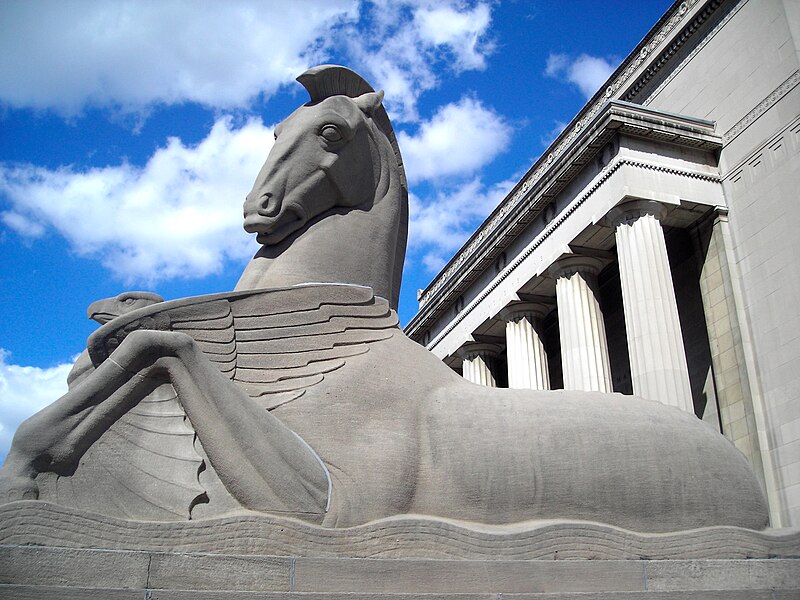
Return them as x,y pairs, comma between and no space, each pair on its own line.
325,81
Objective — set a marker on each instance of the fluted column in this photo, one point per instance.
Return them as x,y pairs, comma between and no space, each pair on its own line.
655,344
584,349
527,360
478,361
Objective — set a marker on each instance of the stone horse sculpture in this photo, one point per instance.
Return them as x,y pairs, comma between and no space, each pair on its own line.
298,395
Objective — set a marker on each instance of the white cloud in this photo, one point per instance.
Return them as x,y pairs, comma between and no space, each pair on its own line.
587,72
178,216
132,55
441,224
125,53
459,31
24,391
459,139
401,45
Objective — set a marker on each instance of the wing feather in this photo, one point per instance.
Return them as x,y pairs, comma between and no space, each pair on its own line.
274,343
288,339
145,466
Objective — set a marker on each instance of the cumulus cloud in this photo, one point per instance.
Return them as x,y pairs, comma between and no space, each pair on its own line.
459,139
65,55
24,391
460,31
178,216
587,72
441,224
133,55
401,45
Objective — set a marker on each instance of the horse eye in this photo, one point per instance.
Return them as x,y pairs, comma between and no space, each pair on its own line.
331,133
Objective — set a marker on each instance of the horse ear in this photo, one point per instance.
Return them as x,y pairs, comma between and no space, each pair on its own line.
370,101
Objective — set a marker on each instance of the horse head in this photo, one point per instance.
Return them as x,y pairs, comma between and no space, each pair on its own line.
330,203
330,154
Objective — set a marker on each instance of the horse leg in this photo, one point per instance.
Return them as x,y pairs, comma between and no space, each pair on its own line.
55,438
263,464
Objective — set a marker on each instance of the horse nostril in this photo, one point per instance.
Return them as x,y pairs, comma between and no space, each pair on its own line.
268,205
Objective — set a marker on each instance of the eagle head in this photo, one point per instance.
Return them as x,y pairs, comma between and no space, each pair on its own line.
106,309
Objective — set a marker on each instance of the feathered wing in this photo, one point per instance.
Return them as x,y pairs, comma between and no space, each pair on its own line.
273,343
145,466
288,343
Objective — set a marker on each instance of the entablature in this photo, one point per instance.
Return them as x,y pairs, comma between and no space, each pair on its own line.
618,121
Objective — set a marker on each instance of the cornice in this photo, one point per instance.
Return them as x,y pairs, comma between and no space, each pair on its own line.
416,324
657,49
511,217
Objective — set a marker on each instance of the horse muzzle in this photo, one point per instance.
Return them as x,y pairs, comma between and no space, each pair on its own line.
271,220
261,211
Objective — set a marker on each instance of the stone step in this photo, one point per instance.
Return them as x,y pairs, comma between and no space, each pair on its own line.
23,568
19,592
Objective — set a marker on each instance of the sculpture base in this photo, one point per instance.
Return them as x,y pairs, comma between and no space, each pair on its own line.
45,524
48,573
50,551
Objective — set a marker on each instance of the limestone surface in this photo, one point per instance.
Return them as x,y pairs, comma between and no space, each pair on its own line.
297,396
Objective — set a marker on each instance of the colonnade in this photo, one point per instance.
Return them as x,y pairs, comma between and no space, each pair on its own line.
655,345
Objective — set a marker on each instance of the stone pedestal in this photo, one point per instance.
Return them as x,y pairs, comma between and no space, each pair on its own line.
527,359
584,349
655,345
479,362
75,554
57,573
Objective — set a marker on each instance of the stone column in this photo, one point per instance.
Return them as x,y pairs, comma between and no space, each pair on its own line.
478,362
584,349
655,344
527,360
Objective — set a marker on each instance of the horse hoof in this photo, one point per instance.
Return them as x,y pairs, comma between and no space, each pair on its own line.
18,488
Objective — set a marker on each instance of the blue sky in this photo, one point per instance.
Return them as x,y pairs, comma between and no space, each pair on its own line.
131,131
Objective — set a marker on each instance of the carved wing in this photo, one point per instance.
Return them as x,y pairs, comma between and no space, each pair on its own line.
274,343
145,466
288,339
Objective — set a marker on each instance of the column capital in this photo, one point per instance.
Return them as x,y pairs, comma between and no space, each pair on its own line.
470,350
631,210
517,310
569,264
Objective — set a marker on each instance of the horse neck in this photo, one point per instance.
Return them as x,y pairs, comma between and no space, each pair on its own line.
355,246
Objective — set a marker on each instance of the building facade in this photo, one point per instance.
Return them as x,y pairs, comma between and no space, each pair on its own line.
651,249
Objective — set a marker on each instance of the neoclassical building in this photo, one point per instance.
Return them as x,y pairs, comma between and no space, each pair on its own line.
652,249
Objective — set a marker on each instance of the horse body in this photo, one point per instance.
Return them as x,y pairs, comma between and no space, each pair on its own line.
415,438
400,432
362,422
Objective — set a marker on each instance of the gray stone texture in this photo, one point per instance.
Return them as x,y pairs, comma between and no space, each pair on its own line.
756,109
307,401
169,575
287,438
40,523
715,140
